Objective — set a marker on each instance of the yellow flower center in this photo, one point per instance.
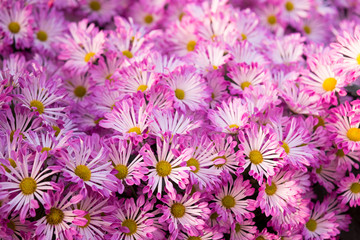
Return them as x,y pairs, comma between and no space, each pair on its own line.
12,163
271,19
307,29
243,36
39,106
88,218
11,225
131,225
289,6
135,130
318,170
228,201
194,238
215,67
80,91
163,168
122,171
95,5
220,165
237,228
358,59
45,149
195,163
329,84
96,121
28,186
353,134
180,94
214,216
355,188
142,88
178,210
14,27
148,19
286,147
270,189
55,217
256,157
127,53
311,225
57,130
321,122
245,85
108,77
182,14
340,153
260,238
83,172
191,46
233,126
42,36
89,56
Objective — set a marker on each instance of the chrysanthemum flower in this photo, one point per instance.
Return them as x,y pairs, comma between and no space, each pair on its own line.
345,125
247,26
328,175
189,88
13,69
106,68
321,224
4,93
340,210
315,28
350,190
230,116
244,52
209,57
167,167
99,10
206,234
79,87
294,11
232,202
16,229
184,211
346,159
15,21
261,151
104,98
127,168
243,230
26,185
147,13
218,86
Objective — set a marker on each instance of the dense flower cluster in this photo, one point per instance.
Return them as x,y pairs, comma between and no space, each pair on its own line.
178,119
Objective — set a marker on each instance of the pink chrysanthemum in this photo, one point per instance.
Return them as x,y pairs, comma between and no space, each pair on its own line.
350,190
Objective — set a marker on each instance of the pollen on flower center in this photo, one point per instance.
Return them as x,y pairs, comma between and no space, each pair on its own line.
243,36
42,36
28,186
45,149
233,126
289,6
311,225
353,134
83,172
57,130
122,171
329,84
180,94
55,216
271,19
95,5
237,227
245,85
321,123
191,46
148,19
88,218
178,210
89,56
340,153
39,106
142,88
14,27
260,238
220,165
127,53
307,29
163,168
228,201
214,216
195,163
80,91
131,225
11,225
136,130
318,170
256,157
194,238
270,189
355,188
286,147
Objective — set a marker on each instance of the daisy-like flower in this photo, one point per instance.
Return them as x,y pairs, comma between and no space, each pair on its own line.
147,13
270,17
261,151
174,123
350,190
314,29
87,167
91,208
15,22
321,224
184,211
50,26
99,10
346,159
247,26
243,76
232,202
104,98
79,87
243,230
328,175
128,117
106,68
40,95
167,167
26,185
218,86
345,125
278,195
16,229
340,210
127,168
189,88
244,52
80,53
210,57
294,11
230,116
4,93
59,215
206,234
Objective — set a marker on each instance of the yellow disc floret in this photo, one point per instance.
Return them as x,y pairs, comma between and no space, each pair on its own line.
122,171
270,189
286,147
256,157
148,19
353,134
38,105
180,94
195,163
83,172
28,186
80,91
95,5
55,216
228,201
142,88
136,130
311,225
289,6
14,27
163,168
131,225
178,210
355,188
245,85
191,46
89,56
127,53
329,84
42,36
